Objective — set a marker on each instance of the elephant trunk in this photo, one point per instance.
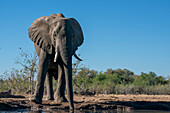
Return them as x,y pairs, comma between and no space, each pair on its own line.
69,86
66,55
67,63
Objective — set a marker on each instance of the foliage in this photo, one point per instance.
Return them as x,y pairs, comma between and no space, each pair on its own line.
119,81
29,63
21,80
150,79
86,81
17,81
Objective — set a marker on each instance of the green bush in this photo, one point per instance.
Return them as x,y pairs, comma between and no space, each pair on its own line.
16,81
120,82
87,81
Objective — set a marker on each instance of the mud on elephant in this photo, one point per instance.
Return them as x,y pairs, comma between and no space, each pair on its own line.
56,40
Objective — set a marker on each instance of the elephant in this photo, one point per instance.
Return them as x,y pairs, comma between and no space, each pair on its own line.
56,40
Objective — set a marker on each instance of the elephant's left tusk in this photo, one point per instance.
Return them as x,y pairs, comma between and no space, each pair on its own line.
77,57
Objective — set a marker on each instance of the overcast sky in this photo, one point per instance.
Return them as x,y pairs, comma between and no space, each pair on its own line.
132,34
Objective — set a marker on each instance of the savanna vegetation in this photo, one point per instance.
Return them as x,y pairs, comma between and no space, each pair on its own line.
21,79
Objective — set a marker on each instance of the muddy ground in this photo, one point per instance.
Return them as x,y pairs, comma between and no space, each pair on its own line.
97,102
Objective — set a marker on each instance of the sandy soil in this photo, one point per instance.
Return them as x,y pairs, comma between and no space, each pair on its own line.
97,102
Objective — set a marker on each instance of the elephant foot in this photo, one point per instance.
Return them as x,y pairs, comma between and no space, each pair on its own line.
61,99
34,99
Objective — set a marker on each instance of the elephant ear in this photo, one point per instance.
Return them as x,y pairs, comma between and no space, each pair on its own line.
39,34
78,37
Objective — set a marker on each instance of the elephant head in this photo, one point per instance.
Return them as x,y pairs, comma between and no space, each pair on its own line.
63,34
49,31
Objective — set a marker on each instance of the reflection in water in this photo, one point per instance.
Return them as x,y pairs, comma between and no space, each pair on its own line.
90,111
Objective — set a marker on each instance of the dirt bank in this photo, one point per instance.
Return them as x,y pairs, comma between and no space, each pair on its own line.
97,102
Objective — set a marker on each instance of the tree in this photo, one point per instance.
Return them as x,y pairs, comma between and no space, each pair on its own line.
159,80
30,64
124,72
146,79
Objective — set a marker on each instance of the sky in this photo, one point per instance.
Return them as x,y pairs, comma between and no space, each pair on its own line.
131,34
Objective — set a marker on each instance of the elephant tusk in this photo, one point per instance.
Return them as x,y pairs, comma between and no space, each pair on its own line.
56,55
77,57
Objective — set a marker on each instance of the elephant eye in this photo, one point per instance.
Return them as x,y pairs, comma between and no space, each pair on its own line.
54,34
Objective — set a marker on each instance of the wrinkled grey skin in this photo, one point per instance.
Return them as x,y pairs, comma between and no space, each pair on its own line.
56,39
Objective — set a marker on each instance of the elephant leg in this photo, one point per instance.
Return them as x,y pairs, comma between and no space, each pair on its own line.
60,92
41,74
49,85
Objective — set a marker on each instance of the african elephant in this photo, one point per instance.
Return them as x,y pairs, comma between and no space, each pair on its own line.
56,39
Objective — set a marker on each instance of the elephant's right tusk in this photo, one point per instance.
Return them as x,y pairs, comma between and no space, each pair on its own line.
56,50
56,54
77,57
